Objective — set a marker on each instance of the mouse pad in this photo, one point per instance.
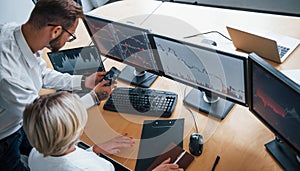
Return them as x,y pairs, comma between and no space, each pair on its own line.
156,136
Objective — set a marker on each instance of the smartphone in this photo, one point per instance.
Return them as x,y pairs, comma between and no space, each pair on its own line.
82,145
112,75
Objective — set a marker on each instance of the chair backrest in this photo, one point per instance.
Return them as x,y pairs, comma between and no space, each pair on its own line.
78,1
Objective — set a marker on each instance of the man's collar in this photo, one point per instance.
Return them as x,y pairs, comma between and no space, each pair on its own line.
24,48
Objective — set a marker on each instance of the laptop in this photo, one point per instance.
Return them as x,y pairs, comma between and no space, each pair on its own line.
275,48
77,61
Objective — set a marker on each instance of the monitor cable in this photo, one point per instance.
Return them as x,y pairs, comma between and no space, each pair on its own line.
199,34
150,14
194,119
195,123
104,59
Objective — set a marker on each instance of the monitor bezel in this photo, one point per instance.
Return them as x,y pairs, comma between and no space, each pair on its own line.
265,66
214,49
156,72
75,49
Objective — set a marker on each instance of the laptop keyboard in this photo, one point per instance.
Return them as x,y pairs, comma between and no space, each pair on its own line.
282,50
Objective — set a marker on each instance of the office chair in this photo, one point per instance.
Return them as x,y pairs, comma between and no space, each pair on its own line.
78,1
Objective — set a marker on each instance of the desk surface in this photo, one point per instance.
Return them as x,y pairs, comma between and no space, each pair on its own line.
239,139
288,7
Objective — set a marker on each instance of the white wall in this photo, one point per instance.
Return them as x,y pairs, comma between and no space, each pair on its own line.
88,5
19,10
15,10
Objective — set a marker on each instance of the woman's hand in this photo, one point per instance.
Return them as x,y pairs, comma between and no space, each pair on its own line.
167,166
114,145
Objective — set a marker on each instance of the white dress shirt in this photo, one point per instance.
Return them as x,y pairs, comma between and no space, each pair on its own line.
22,76
75,161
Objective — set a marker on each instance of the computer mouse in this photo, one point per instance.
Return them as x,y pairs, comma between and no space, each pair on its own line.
196,144
208,41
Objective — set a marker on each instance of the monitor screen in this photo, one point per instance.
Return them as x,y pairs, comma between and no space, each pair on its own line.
77,61
122,42
207,69
274,99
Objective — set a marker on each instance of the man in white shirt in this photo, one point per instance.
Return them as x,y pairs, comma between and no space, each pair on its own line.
23,73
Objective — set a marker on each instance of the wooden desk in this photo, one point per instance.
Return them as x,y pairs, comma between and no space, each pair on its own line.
239,139
128,11
188,20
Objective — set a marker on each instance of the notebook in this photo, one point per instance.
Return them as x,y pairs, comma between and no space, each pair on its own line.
177,154
273,47
77,61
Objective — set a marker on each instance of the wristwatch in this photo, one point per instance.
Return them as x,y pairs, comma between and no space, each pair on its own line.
95,97
83,82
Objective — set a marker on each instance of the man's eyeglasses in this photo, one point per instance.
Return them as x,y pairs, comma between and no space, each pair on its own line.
72,36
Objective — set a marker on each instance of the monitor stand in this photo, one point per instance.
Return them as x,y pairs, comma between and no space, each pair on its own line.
283,154
216,107
139,78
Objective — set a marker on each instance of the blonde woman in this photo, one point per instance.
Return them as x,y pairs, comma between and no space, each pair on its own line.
53,124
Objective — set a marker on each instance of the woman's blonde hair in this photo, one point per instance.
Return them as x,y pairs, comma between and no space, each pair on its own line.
53,123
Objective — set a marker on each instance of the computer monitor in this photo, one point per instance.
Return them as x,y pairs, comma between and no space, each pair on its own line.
125,43
274,99
217,73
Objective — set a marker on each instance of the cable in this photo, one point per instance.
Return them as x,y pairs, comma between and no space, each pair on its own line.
198,34
150,14
195,123
104,59
196,127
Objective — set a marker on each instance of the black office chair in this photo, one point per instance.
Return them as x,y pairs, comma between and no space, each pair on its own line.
78,1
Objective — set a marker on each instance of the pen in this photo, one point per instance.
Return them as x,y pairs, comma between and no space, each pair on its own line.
179,157
215,163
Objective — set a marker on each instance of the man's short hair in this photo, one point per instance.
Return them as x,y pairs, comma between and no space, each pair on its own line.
54,122
59,12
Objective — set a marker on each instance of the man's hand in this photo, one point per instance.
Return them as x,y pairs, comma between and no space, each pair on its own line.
92,80
114,145
103,91
167,166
